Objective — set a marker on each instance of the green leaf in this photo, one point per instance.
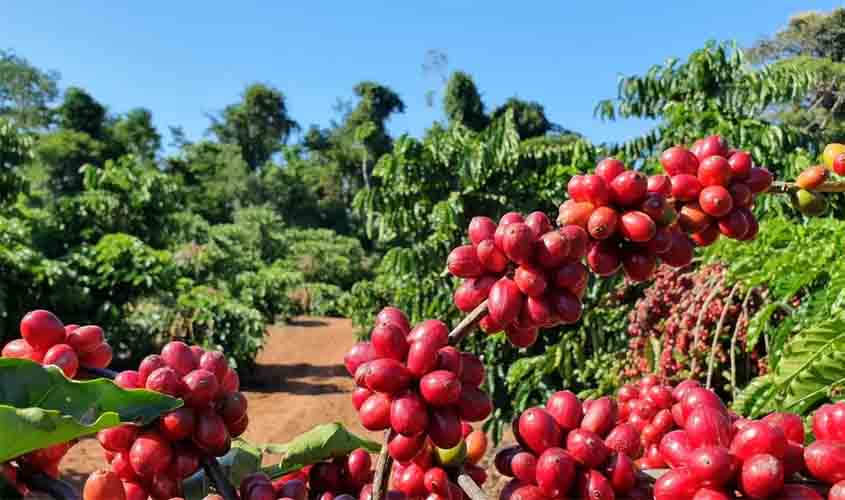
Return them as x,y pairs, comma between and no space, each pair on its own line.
40,407
321,442
812,362
242,460
757,324
755,399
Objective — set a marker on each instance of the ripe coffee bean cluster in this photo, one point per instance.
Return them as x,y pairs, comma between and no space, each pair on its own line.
825,457
48,341
348,476
668,312
715,454
412,382
713,188
634,221
433,472
630,221
530,274
153,460
425,392
572,449
593,449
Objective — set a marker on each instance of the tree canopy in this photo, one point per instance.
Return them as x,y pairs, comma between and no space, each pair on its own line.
259,124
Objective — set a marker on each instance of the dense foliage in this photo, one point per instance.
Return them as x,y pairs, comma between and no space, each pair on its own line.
209,243
432,187
216,238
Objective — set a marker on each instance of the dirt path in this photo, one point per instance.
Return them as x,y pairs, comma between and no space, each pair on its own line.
300,382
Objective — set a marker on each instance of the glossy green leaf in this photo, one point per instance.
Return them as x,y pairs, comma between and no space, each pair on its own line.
40,407
756,398
321,442
812,362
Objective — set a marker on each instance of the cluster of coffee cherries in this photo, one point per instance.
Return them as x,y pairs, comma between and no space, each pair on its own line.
596,448
634,220
413,382
433,472
714,188
716,455
571,449
825,457
806,199
530,274
424,391
153,460
46,340
345,477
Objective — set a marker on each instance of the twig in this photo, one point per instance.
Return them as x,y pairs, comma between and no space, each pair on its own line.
56,488
221,483
780,187
470,488
698,294
697,330
725,308
383,466
743,316
467,324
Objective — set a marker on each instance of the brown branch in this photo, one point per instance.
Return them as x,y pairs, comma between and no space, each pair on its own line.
743,316
56,488
781,187
470,488
221,483
697,328
467,324
382,473
725,307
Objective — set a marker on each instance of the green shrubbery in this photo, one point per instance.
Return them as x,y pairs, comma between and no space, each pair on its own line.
128,247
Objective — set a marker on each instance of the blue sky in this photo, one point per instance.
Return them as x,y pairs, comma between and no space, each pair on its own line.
184,59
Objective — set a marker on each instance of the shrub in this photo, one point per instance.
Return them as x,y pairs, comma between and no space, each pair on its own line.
269,290
213,319
324,299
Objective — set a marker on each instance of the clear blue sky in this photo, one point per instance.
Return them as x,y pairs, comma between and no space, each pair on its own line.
186,58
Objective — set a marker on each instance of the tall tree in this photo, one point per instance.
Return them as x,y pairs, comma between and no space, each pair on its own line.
259,124
813,41
15,149
80,112
529,117
26,92
135,133
376,103
63,153
462,102
215,178
814,34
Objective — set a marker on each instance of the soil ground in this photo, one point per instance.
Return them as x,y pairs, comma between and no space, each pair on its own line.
300,381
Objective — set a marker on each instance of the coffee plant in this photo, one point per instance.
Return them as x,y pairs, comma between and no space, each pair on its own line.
688,316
